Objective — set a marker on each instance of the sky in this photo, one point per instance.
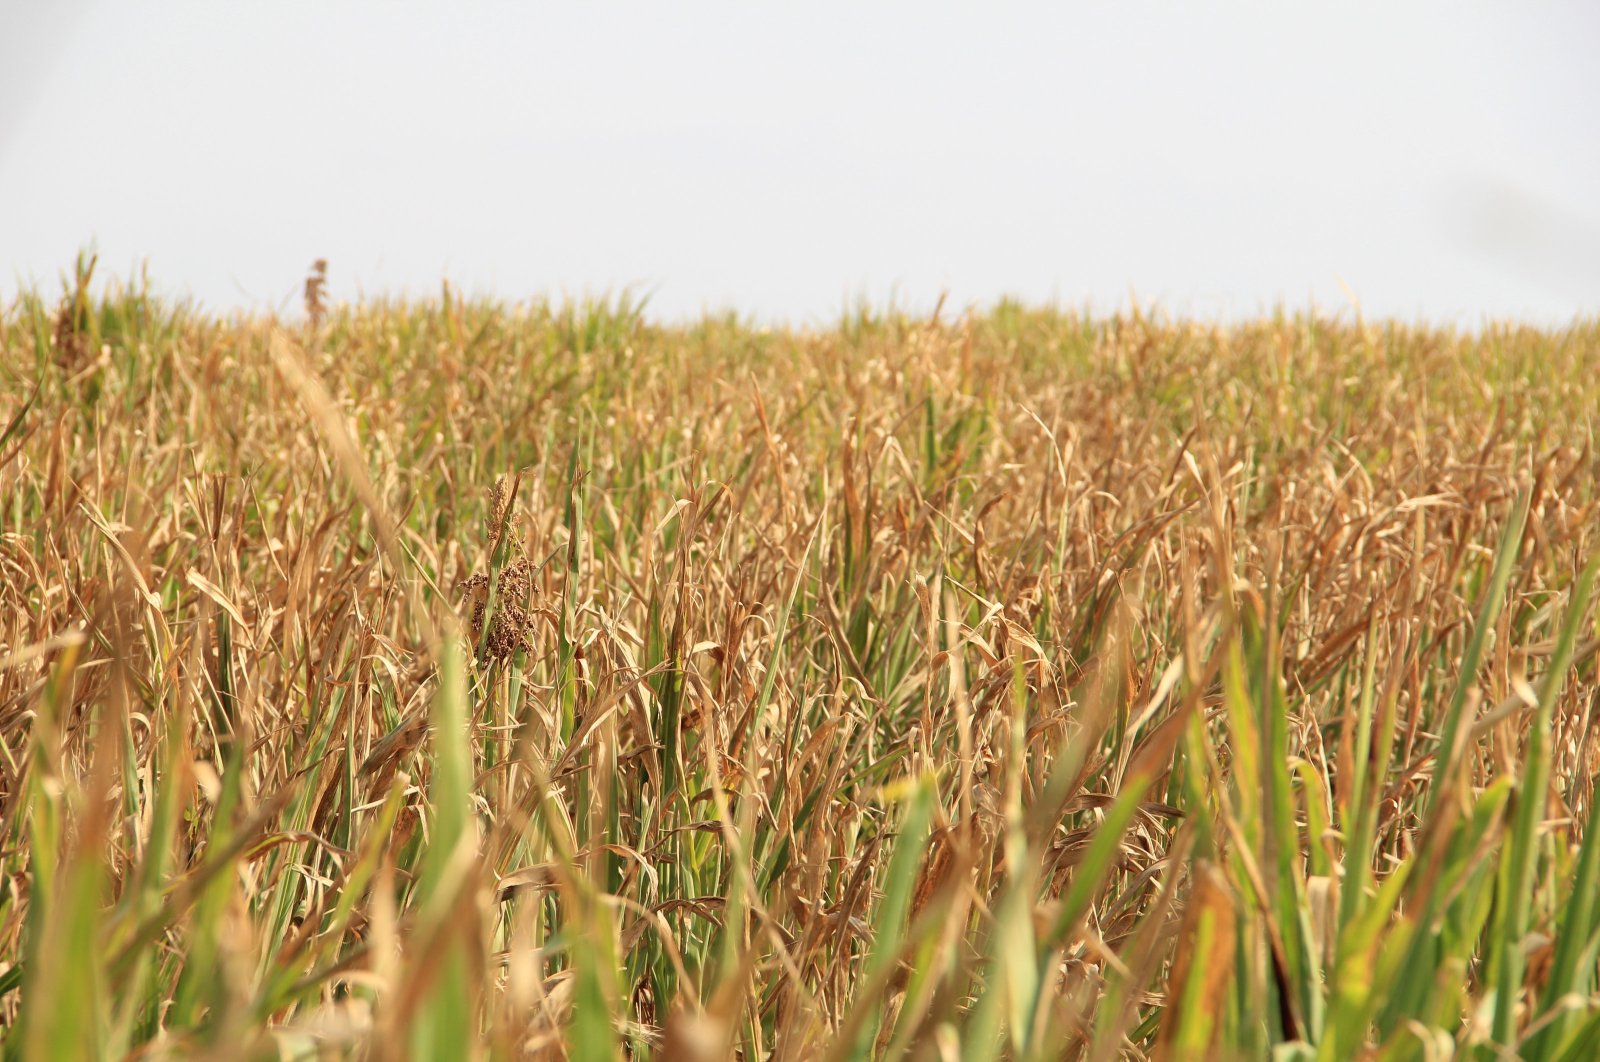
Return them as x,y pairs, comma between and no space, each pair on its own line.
1425,161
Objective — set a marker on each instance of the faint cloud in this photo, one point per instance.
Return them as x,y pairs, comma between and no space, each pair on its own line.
35,36
1528,236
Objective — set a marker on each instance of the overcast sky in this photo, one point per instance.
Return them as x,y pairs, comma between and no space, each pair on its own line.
1436,161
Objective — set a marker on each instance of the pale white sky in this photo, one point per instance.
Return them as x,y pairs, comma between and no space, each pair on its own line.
1438,160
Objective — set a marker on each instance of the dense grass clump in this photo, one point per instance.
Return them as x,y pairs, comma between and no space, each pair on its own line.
447,679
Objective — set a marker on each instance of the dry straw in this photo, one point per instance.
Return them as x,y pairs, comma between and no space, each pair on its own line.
449,680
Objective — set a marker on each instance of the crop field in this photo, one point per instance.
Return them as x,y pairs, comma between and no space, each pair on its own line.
450,679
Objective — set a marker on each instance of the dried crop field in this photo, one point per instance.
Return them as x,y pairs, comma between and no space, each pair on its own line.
446,679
